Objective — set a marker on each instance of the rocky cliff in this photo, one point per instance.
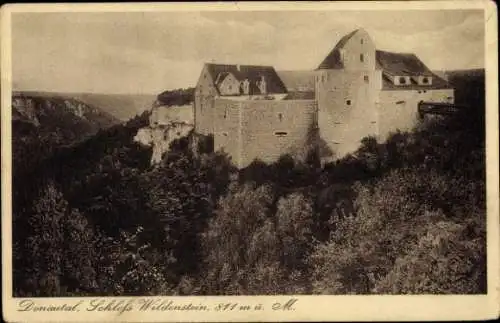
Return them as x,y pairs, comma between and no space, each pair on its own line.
166,124
42,122
58,111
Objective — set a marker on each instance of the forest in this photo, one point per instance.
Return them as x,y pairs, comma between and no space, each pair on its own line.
404,216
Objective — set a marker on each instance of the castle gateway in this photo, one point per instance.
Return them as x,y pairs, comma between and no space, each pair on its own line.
254,112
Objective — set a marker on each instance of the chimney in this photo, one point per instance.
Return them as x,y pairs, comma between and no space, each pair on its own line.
238,67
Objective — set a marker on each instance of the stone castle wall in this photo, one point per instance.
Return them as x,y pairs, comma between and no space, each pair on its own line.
398,109
347,108
264,130
274,128
227,130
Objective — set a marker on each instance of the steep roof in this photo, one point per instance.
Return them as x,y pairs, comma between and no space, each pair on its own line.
253,73
405,64
401,64
298,80
332,60
220,77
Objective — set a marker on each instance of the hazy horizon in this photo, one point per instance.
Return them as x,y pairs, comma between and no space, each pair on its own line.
144,53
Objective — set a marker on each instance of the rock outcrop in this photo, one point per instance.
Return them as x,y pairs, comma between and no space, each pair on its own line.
166,124
48,108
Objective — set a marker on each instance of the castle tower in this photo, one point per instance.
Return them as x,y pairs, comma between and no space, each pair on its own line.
347,89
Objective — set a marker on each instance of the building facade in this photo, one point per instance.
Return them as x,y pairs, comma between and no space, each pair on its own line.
254,112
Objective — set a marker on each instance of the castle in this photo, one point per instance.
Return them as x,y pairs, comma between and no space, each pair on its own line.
254,112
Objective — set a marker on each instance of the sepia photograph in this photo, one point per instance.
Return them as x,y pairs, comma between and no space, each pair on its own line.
155,156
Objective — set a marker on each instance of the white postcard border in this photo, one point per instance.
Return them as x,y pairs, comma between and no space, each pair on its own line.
302,308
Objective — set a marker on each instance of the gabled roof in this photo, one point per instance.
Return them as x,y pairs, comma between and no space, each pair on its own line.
298,80
405,64
221,77
333,61
253,73
401,64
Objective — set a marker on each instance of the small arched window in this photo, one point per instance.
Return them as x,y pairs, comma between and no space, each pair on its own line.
402,80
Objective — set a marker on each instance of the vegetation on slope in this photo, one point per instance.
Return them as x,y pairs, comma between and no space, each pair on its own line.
175,97
404,216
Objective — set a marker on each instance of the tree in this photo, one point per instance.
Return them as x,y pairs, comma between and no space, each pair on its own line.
445,260
44,245
80,255
294,219
129,267
385,236
237,238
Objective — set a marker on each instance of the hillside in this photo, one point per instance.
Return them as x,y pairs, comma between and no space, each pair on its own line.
42,122
121,106
404,216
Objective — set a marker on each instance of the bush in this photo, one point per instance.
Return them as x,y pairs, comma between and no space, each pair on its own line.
373,247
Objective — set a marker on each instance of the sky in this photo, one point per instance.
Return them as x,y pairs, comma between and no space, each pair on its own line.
149,52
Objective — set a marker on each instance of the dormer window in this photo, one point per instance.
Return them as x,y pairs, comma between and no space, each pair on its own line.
245,86
341,53
402,80
261,84
425,80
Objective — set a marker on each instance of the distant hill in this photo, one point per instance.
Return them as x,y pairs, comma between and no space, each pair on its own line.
122,106
42,122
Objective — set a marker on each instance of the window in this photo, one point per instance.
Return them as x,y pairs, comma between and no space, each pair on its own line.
348,102
280,133
361,57
280,116
425,80
361,41
402,80
366,78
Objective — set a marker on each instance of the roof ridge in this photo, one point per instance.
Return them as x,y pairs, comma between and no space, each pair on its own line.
241,65
396,53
